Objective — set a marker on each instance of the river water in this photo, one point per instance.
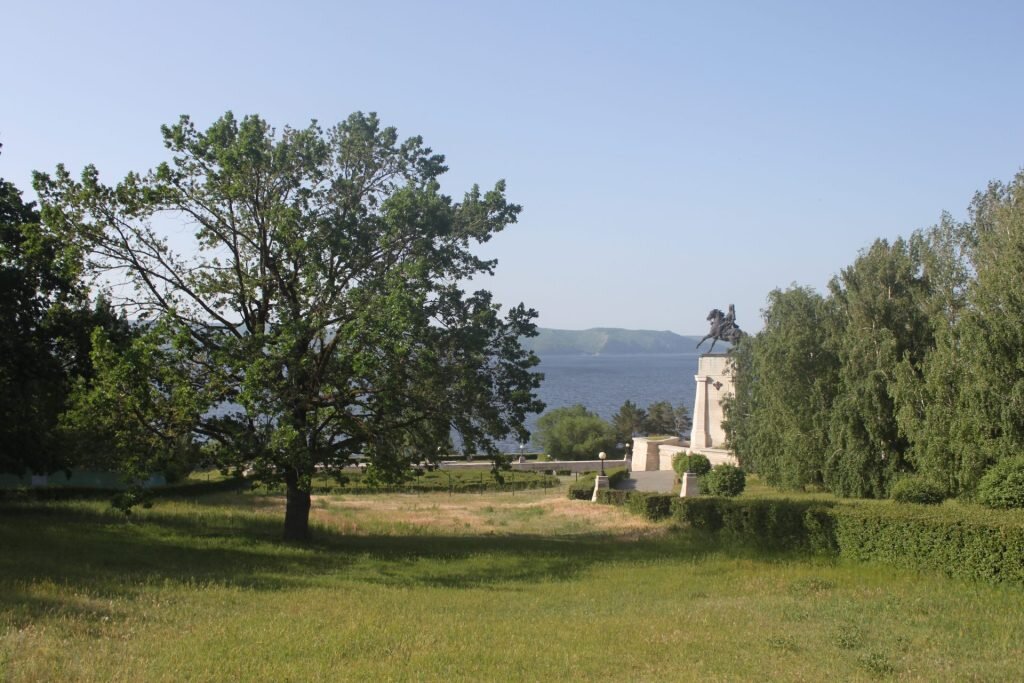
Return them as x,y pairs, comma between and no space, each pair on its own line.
603,383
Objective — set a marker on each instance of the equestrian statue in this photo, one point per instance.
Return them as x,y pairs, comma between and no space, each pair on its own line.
723,327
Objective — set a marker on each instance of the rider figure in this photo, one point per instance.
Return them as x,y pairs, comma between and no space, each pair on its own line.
728,322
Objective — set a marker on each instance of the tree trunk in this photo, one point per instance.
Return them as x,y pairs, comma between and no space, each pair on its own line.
296,512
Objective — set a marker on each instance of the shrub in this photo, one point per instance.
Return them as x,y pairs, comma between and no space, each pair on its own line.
652,506
1002,486
584,488
696,463
917,490
612,497
574,433
724,480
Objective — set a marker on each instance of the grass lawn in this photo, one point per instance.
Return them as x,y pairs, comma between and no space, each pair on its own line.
463,588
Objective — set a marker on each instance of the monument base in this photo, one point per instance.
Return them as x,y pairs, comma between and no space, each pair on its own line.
690,486
600,482
714,383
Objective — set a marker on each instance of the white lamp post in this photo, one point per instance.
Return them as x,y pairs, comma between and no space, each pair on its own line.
602,456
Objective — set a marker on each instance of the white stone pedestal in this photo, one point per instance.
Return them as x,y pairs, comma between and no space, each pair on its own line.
646,453
714,382
600,482
690,487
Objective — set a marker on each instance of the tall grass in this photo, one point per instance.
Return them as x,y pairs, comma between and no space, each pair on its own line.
561,590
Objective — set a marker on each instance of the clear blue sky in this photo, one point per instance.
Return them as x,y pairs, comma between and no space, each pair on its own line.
670,157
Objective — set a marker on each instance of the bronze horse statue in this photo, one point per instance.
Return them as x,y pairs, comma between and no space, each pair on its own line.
723,327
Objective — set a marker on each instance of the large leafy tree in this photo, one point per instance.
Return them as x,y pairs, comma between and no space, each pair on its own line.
629,420
46,321
319,315
929,385
786,377
574,433
32,282
989,337
662,418
882,312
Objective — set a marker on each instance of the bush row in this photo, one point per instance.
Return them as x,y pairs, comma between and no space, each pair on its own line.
957,541
456,481
583,489
184,489
971,546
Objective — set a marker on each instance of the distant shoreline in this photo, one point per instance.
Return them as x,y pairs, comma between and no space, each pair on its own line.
598,341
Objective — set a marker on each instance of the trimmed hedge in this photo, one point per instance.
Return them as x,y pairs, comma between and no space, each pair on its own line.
584,488
959,541
779,524
652,506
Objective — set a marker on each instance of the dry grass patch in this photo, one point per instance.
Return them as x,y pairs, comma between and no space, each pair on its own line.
530,512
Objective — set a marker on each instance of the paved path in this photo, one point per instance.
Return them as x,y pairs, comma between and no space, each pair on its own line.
660,482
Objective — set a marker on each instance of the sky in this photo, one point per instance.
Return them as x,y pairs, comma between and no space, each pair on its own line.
670,157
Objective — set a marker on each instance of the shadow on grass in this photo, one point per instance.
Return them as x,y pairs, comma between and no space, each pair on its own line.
90,551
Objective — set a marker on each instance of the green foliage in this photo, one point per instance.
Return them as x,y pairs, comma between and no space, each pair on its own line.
1003,485
958,542
612,496
143,378
321,301
917,490
986,423
778,524
691,462
185,489
724,480
909,365
574,433
928,394
659,418
786,382
45,347
650,506
629,420
662,419
583,488
166,580
38,284
883,324
420,481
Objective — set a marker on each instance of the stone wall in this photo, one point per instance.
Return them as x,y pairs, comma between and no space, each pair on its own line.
715,456
646,457
578,466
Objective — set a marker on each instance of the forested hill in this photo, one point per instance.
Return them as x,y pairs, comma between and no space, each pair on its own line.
608,340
